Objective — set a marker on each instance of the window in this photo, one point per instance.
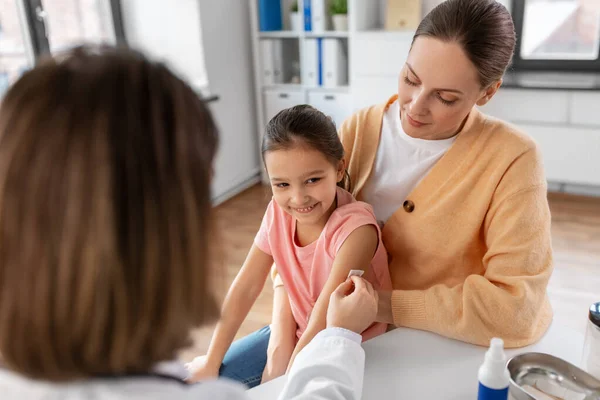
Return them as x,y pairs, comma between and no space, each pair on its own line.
557,34
31,28
14,58
70,22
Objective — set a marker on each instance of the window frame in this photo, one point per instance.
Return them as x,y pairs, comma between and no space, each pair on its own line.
36,26
518,13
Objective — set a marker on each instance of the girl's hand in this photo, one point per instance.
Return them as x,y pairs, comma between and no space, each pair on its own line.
200,369
353,305
279,354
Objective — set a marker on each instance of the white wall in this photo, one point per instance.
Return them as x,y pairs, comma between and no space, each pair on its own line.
175,32
227,45
167,32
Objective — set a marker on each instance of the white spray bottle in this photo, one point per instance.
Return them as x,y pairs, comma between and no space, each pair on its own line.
494,377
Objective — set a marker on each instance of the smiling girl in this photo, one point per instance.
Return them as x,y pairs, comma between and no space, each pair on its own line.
314,231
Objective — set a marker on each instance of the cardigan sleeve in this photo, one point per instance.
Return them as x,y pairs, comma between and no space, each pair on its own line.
509,300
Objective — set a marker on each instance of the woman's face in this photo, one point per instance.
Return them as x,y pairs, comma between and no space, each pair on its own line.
437,88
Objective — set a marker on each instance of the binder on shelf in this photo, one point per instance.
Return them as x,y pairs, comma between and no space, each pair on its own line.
318,15
266,55
307,16
272,61
335,63
278,57
269,15
310,68
320,61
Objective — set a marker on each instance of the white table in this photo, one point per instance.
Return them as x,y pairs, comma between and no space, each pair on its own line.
411,364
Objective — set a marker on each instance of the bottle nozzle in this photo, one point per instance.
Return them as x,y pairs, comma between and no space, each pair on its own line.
493,375
496,351
497,343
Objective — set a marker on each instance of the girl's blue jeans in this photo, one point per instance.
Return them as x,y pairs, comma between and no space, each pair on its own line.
246,359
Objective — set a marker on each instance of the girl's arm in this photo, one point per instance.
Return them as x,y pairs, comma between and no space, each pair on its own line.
283,336
355,253
241,296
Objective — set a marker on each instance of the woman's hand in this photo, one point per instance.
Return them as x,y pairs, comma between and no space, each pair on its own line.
353,305
279,353
201,369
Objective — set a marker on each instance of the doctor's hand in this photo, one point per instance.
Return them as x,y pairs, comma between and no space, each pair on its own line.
353,305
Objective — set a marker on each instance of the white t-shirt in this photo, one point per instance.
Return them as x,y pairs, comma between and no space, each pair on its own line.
400,164
331,366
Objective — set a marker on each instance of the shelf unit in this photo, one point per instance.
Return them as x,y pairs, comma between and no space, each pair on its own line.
279,35
366,45
375,57
331,34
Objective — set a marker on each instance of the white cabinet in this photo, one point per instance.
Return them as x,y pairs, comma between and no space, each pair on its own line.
336,105
371,90
585,108
276,100
521,105
565,124
570,154
377,58
380,54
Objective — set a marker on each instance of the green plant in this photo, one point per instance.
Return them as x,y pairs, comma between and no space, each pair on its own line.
294,7
338,7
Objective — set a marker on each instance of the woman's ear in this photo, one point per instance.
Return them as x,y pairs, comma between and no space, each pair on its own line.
489,93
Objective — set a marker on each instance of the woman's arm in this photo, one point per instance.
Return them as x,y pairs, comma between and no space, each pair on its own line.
355,253
241,296
509,300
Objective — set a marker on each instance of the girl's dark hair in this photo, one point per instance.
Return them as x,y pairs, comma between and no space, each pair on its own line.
484,29
305,125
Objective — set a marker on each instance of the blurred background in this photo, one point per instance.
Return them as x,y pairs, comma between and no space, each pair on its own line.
251,58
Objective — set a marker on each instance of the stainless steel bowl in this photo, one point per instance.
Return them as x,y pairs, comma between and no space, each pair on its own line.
538,376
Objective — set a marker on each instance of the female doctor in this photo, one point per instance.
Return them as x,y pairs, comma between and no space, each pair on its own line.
106,240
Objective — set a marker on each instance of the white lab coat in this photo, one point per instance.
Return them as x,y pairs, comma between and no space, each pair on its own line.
330,367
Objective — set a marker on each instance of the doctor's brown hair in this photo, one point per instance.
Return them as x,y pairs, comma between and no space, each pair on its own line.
105,169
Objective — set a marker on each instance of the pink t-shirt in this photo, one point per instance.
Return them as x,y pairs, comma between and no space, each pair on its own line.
304,270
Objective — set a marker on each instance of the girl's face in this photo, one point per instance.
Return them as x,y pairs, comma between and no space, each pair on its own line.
304,182
437,88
